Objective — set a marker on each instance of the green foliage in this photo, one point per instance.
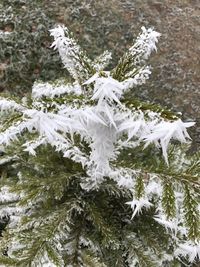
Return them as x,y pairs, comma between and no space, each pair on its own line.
168,199
139,186
63,215
191,213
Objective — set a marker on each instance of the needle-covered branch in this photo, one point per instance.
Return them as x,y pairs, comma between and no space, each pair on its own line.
92,177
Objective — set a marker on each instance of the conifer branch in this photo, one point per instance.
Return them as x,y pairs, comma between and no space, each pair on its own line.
80,158
168,199
192,218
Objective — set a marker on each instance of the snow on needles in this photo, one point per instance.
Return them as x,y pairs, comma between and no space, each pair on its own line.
165,131
9,105
138,204
67,48
101,86
145,44
188,249
52,90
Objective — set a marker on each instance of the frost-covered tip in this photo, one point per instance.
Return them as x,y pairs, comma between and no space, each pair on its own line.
68,50
7,105
58,32
171,224
189,250
145,44
138,204
62,42
101,85
164,131
138,79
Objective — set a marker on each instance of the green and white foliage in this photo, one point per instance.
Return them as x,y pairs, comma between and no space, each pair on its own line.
88,175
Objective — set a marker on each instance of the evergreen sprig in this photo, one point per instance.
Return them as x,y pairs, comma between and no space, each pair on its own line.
90,177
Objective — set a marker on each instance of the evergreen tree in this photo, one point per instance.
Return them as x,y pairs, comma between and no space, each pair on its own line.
89,175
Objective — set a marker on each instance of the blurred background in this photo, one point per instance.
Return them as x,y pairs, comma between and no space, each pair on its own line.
25,53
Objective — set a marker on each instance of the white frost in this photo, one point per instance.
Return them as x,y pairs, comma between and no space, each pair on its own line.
188,249
138,204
